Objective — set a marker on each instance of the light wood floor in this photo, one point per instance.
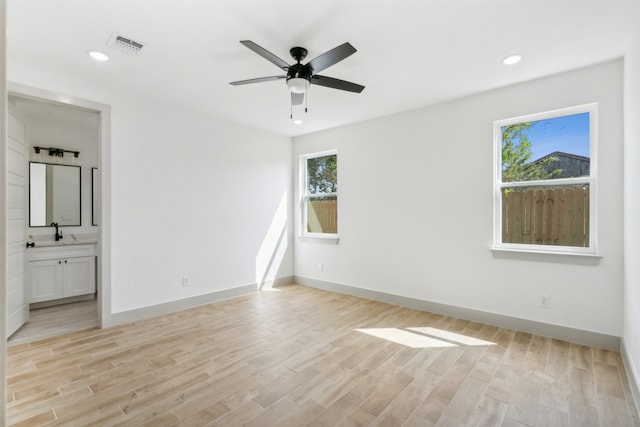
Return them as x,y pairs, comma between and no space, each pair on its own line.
56,320
300,356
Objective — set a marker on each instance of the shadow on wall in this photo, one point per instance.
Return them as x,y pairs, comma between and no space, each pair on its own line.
273,248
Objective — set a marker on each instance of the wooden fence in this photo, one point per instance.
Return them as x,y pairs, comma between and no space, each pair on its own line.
322,216
549,216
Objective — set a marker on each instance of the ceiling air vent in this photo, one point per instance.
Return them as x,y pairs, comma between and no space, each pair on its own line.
125,44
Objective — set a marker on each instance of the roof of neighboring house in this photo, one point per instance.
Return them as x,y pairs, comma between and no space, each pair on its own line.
562,154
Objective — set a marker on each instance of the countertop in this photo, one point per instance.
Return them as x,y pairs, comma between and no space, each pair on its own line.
67,239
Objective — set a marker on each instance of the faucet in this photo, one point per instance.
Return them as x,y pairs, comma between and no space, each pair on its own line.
58,233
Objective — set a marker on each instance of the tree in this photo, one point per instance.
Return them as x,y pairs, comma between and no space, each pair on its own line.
322,174
516,156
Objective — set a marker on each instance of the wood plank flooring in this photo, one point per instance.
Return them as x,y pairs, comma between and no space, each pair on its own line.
57,320
298,356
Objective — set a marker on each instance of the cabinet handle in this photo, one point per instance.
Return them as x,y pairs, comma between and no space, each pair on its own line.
65,261
59,262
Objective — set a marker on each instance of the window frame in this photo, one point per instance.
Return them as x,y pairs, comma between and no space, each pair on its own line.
304,195
591,180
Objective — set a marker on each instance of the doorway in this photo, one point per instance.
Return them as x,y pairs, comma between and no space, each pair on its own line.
74,125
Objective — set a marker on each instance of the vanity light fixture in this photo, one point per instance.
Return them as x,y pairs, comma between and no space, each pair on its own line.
58,152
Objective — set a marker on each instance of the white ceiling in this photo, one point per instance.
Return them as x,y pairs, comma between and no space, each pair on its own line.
410,54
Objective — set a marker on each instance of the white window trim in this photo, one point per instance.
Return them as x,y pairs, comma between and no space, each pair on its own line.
303,195
592,181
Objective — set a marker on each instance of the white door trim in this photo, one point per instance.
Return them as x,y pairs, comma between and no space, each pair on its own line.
103,265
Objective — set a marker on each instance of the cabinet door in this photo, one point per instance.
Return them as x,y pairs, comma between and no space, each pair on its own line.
79,276
46,280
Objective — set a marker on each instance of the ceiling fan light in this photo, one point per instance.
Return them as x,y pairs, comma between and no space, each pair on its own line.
298,85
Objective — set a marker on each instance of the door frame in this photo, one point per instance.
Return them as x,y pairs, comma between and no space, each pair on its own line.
103,248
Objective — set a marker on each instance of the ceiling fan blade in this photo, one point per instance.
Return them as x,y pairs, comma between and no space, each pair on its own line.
297,98
266,54
331,57
336,84
258,80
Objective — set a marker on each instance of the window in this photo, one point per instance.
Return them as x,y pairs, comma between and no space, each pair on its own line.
319,174
544,197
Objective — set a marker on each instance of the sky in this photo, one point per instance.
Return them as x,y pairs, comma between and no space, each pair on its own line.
569,134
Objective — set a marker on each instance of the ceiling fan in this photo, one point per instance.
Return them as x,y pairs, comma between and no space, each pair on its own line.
300,76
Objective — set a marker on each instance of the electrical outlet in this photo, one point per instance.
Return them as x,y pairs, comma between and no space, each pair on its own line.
186,281
320,266
544,301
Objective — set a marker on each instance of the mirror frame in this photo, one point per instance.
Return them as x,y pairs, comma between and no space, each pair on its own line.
94,196
79,195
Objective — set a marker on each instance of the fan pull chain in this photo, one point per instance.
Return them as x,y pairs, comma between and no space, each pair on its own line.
306,99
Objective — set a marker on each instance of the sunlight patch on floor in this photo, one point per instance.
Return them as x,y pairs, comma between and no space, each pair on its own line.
450,336
406,338
423,337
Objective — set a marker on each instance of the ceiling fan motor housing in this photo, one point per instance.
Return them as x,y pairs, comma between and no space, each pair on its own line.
298,53
299,71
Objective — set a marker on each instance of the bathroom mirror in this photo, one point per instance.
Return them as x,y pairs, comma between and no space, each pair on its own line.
54,195
94,196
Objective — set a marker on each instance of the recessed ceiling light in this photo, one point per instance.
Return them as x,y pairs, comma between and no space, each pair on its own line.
512,60
98,56
297,122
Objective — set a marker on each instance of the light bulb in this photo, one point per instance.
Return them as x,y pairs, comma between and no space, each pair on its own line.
297,85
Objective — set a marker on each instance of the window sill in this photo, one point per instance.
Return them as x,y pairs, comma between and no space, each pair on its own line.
540,252
323,237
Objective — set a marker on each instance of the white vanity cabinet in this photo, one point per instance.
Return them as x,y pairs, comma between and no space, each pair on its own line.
61,271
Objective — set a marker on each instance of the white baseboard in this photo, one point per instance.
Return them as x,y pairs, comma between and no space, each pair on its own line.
182,304
632,375
577,336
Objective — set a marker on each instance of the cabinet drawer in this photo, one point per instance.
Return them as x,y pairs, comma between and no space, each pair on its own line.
56,252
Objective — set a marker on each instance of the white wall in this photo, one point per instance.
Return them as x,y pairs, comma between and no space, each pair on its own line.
631,332
191,195
415,208
3,210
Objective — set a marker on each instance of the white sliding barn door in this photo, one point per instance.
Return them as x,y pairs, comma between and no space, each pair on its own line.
17,304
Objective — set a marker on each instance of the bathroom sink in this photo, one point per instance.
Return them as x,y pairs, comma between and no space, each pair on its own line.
44,240
67,239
